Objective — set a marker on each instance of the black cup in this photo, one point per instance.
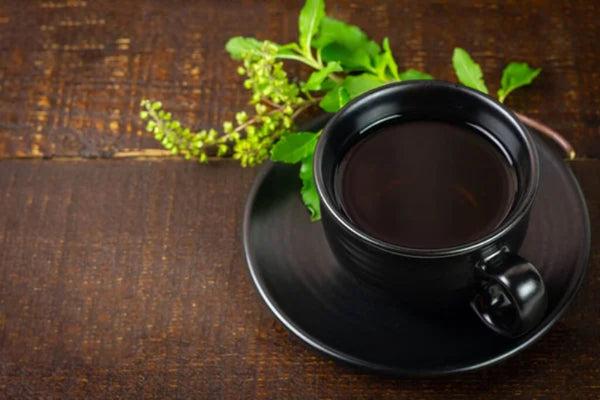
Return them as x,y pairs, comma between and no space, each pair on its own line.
504,290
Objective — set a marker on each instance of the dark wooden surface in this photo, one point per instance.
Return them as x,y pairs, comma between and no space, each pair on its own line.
123,277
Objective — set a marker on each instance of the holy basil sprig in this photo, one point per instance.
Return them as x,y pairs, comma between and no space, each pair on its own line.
469,73
345,63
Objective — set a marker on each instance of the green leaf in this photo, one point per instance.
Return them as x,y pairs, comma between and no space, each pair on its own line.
239,45
372,48
468,71
413,75
294,148
514,76
336,31
309,21
345,43
310,197
329,84
389,58
352,86
289,48
335,99
351,59
318,77
358,84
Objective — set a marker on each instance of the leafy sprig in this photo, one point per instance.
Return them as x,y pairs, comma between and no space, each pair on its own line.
277,103
345,64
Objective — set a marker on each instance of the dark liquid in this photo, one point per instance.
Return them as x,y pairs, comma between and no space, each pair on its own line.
426,184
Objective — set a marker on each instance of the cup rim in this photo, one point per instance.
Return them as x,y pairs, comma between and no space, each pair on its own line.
515,216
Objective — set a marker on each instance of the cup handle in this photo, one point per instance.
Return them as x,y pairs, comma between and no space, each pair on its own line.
512,298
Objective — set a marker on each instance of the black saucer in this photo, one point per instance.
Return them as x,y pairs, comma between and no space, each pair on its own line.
330,310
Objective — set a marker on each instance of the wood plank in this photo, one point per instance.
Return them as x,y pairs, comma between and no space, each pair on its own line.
125,279
72,73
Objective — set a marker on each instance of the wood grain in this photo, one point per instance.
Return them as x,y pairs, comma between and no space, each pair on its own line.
72,72
125,279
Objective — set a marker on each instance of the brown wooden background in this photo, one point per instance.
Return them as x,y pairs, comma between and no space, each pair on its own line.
121,270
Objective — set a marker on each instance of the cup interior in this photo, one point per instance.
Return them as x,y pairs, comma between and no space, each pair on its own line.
426,100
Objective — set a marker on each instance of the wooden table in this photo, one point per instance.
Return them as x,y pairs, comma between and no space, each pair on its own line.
121,269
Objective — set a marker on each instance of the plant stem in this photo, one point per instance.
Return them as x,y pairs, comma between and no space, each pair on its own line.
274,105
247,123
550,133
305,107
311,63
335,78
301,109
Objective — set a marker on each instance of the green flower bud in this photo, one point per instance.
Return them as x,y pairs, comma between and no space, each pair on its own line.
287,122
260,108
241,117
222,150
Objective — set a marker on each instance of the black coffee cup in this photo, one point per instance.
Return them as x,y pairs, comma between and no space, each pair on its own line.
503,289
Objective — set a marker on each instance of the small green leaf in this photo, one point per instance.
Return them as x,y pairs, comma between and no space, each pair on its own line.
516,75
318,77
239,45
309,21
468,71
310,197
413,75
389,59
343,96
287,49
336,31
329,84
345,43
295,147
352,86
358,84
351,59
335,99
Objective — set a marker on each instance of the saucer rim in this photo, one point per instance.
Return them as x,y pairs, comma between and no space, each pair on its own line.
553,316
